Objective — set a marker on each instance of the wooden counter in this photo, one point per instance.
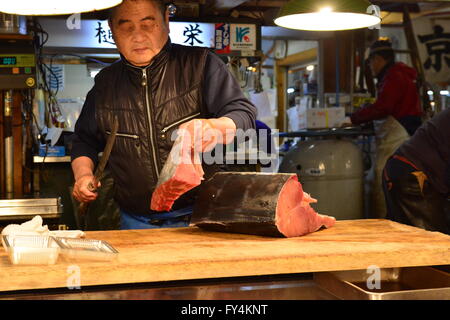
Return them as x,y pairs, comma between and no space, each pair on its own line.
190,253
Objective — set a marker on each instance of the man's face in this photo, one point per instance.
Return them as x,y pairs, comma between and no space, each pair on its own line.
377,64
140,30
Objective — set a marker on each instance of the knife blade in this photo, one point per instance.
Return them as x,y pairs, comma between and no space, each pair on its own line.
101,166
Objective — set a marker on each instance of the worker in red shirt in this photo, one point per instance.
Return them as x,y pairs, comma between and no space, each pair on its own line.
396,114
397,93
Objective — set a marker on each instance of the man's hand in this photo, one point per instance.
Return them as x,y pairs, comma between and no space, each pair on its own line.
85,184
85,188
206,133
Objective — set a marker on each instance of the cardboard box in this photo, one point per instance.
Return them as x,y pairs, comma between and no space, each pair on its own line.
314,118
302,118
335,117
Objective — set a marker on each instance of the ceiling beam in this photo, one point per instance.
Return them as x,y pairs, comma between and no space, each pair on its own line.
228,4
265,3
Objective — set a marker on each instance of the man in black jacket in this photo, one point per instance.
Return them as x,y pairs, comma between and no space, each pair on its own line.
156,87
416,179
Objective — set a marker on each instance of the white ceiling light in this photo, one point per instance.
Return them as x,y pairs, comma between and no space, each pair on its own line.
327,15
54,7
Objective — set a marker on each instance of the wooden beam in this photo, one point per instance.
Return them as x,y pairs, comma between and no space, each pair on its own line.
303,57
228,4
64,61
340,44
267,3
15,36
281,83
2,146
281,70
18,145
415,58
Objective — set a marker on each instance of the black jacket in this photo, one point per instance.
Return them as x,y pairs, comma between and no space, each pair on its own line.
180,84
429,150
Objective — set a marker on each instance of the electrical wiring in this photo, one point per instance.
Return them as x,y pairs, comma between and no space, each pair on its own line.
27,98
40,38
51,105
46,74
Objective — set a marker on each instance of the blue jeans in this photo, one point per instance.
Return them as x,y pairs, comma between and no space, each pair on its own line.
172,219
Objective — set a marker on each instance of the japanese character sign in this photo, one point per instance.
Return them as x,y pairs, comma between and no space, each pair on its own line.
104,35
438,48
432,36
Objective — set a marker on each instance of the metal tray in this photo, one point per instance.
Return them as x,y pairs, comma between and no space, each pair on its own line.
412,283
31,249
24,209
75,248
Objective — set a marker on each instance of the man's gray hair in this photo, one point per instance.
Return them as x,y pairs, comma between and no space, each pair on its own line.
160,4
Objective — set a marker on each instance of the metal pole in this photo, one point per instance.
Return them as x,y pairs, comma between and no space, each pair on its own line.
352,71
337,69
9,144
321,74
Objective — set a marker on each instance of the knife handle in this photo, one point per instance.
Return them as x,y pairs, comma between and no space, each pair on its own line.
91,187
82,208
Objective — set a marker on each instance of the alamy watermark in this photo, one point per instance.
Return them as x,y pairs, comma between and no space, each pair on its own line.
374,279
374,10
74,22
252,146
74,279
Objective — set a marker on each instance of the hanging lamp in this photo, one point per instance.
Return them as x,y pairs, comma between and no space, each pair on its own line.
54,7
327,15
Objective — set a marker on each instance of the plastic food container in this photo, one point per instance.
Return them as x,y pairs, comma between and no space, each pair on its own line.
80,249
31,249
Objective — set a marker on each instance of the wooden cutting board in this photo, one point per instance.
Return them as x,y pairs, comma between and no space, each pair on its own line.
191,253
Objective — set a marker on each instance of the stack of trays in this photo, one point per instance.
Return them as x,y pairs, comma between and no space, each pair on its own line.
31,249
35,249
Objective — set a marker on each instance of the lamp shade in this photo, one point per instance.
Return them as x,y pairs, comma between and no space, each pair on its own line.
327,15
54,7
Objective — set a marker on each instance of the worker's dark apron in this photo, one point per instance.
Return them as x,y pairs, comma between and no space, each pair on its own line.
389,135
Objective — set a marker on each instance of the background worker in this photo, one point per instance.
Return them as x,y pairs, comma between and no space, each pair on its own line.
416,179
396,114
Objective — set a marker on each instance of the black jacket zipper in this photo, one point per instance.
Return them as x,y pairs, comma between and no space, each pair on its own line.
150,122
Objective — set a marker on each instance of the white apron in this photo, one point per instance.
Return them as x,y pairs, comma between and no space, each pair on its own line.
389,135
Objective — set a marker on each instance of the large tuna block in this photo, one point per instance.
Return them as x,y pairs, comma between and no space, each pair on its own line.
267,204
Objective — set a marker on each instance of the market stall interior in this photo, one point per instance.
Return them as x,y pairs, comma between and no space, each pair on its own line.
304,69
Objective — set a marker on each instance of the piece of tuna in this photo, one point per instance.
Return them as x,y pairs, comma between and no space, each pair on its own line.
181,172
269,204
